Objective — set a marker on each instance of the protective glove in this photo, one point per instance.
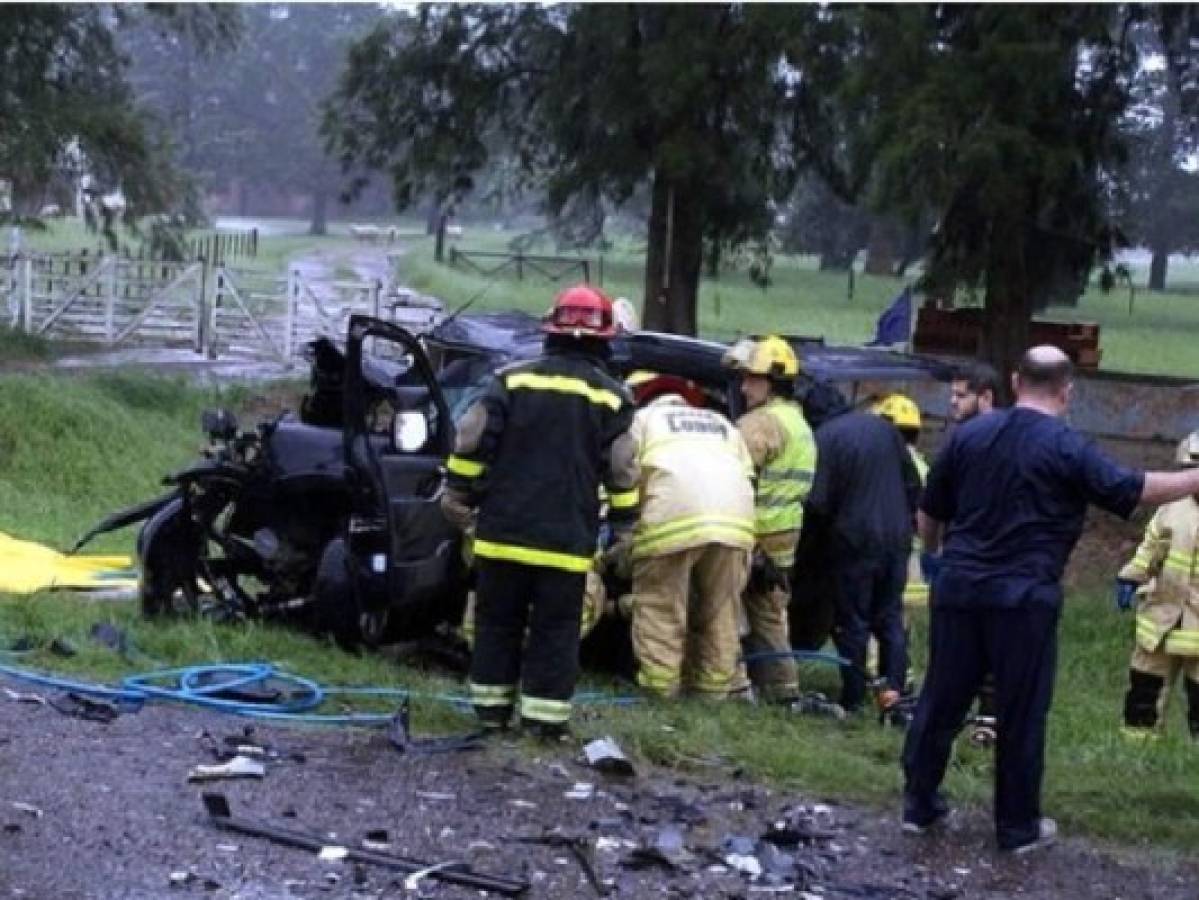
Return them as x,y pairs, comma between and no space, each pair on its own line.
1126,594
456,507
930,567
617,560
764,575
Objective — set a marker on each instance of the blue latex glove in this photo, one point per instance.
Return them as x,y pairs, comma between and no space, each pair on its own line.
1126,593
930,566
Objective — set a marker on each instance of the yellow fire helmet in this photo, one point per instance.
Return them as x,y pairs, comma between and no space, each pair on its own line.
771,356
1188,450
901,410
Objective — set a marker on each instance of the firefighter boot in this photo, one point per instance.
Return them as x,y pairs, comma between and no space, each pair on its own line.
545,732
1141,704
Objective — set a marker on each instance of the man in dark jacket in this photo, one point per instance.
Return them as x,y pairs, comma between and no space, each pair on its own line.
864,495
1007,498
530,456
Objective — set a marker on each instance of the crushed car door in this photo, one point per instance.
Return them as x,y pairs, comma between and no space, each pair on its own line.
398,435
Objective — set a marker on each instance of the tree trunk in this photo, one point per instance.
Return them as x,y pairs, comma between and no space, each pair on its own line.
713,260
432,217
443,219
882,254
1008,303
836,260
1157,267
320,211
674,257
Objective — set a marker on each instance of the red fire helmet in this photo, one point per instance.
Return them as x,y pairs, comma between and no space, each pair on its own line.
581,311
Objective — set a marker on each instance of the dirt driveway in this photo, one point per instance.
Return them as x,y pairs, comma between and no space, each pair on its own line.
105,811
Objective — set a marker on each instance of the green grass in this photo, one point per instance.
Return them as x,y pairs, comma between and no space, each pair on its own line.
1158,338
72,450
19,346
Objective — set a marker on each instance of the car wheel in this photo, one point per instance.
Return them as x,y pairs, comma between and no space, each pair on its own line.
335,605
170,577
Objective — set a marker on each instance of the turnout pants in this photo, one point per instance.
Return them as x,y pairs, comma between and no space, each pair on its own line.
1019,646
870,602
685,619
766,614
1151,678
542,668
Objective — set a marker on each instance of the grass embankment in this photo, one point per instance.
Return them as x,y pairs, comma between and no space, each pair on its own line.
72,450
21,347
1158,337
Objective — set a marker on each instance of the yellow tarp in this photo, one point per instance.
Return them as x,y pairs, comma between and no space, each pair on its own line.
26,567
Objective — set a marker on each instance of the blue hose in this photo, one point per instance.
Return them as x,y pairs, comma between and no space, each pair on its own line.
133,699
198,685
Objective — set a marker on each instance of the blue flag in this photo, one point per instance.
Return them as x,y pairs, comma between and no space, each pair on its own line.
893,324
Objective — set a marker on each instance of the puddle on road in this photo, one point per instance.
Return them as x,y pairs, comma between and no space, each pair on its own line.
182,362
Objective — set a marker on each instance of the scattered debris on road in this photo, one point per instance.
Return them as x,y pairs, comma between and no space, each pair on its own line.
605,755
237,767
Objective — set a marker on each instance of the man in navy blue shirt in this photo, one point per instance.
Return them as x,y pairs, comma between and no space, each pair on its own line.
1005,502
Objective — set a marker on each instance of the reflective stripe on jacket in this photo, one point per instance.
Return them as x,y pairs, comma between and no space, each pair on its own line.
532,453
786,462
1167,563
915,589
695,480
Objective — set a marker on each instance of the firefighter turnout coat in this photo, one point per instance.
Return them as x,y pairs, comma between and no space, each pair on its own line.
1167,563
532,453
783,451
695,476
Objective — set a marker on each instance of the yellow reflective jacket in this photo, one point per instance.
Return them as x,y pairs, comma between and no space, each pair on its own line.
783,450
1167,563
915,589
695,480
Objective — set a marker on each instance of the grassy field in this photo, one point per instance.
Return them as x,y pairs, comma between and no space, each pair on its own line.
73,449
1158,337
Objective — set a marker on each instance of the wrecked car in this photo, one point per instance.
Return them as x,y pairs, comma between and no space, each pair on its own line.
330,518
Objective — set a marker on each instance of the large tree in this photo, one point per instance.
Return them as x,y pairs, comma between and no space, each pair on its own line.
1162,194
1003,119
253,116
68,112
697,101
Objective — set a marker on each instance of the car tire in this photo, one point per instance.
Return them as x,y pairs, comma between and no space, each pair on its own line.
167,550
336,607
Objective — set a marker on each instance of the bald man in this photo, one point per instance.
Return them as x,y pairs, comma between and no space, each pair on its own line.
1007,496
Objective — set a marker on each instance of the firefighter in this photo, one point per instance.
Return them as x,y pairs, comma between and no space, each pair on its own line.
691,546
784,456
905,416
528,462
1165,573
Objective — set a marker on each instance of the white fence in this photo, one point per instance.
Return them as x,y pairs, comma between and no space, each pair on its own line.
213,309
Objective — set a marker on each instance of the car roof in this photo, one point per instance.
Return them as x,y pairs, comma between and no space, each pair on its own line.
511,336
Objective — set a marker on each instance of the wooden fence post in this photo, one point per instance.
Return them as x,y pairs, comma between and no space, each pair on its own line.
376,297
520,268
110,301
293,305
200,305
211,350
27,294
